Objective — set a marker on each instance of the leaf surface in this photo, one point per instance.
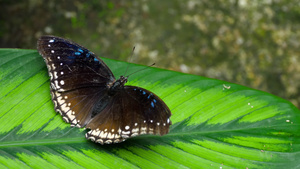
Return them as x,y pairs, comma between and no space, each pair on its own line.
215,123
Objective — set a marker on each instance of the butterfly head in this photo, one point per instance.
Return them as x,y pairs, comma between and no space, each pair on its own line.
123,80
120,82
118,85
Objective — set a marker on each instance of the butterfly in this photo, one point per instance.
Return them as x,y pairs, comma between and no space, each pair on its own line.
87,95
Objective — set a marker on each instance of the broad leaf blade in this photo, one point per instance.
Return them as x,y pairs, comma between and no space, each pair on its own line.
215,123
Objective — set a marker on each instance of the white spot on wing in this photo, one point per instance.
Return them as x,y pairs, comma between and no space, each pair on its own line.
116,141
134,134
144,130
49,59
135,130
53,67
49,68
57,110
103,135
94,132
99,141
55,75
55,103
70,114
125,133
108,142
91,138
51,76
110,136
53,86
66,119
56,84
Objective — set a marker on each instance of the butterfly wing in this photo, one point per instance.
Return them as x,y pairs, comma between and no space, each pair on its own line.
78,78
130,112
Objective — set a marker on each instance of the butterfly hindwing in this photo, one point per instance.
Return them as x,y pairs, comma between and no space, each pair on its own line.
76,106
131,112
77,78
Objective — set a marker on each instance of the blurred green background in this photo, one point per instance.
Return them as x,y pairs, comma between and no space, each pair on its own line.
250,42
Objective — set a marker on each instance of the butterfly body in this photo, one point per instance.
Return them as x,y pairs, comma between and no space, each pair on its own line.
85,92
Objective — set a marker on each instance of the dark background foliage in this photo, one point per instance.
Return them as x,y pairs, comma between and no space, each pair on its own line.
253,43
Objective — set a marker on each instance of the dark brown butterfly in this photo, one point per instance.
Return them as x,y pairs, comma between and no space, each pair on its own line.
85,92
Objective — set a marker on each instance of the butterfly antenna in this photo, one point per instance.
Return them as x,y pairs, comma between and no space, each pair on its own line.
141,69
130,60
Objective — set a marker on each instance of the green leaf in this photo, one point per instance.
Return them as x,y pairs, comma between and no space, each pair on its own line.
215,123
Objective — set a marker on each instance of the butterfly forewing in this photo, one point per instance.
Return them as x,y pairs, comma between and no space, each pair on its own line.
72,66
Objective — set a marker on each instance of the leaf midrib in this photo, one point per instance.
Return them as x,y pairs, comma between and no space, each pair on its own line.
82,139
42,142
